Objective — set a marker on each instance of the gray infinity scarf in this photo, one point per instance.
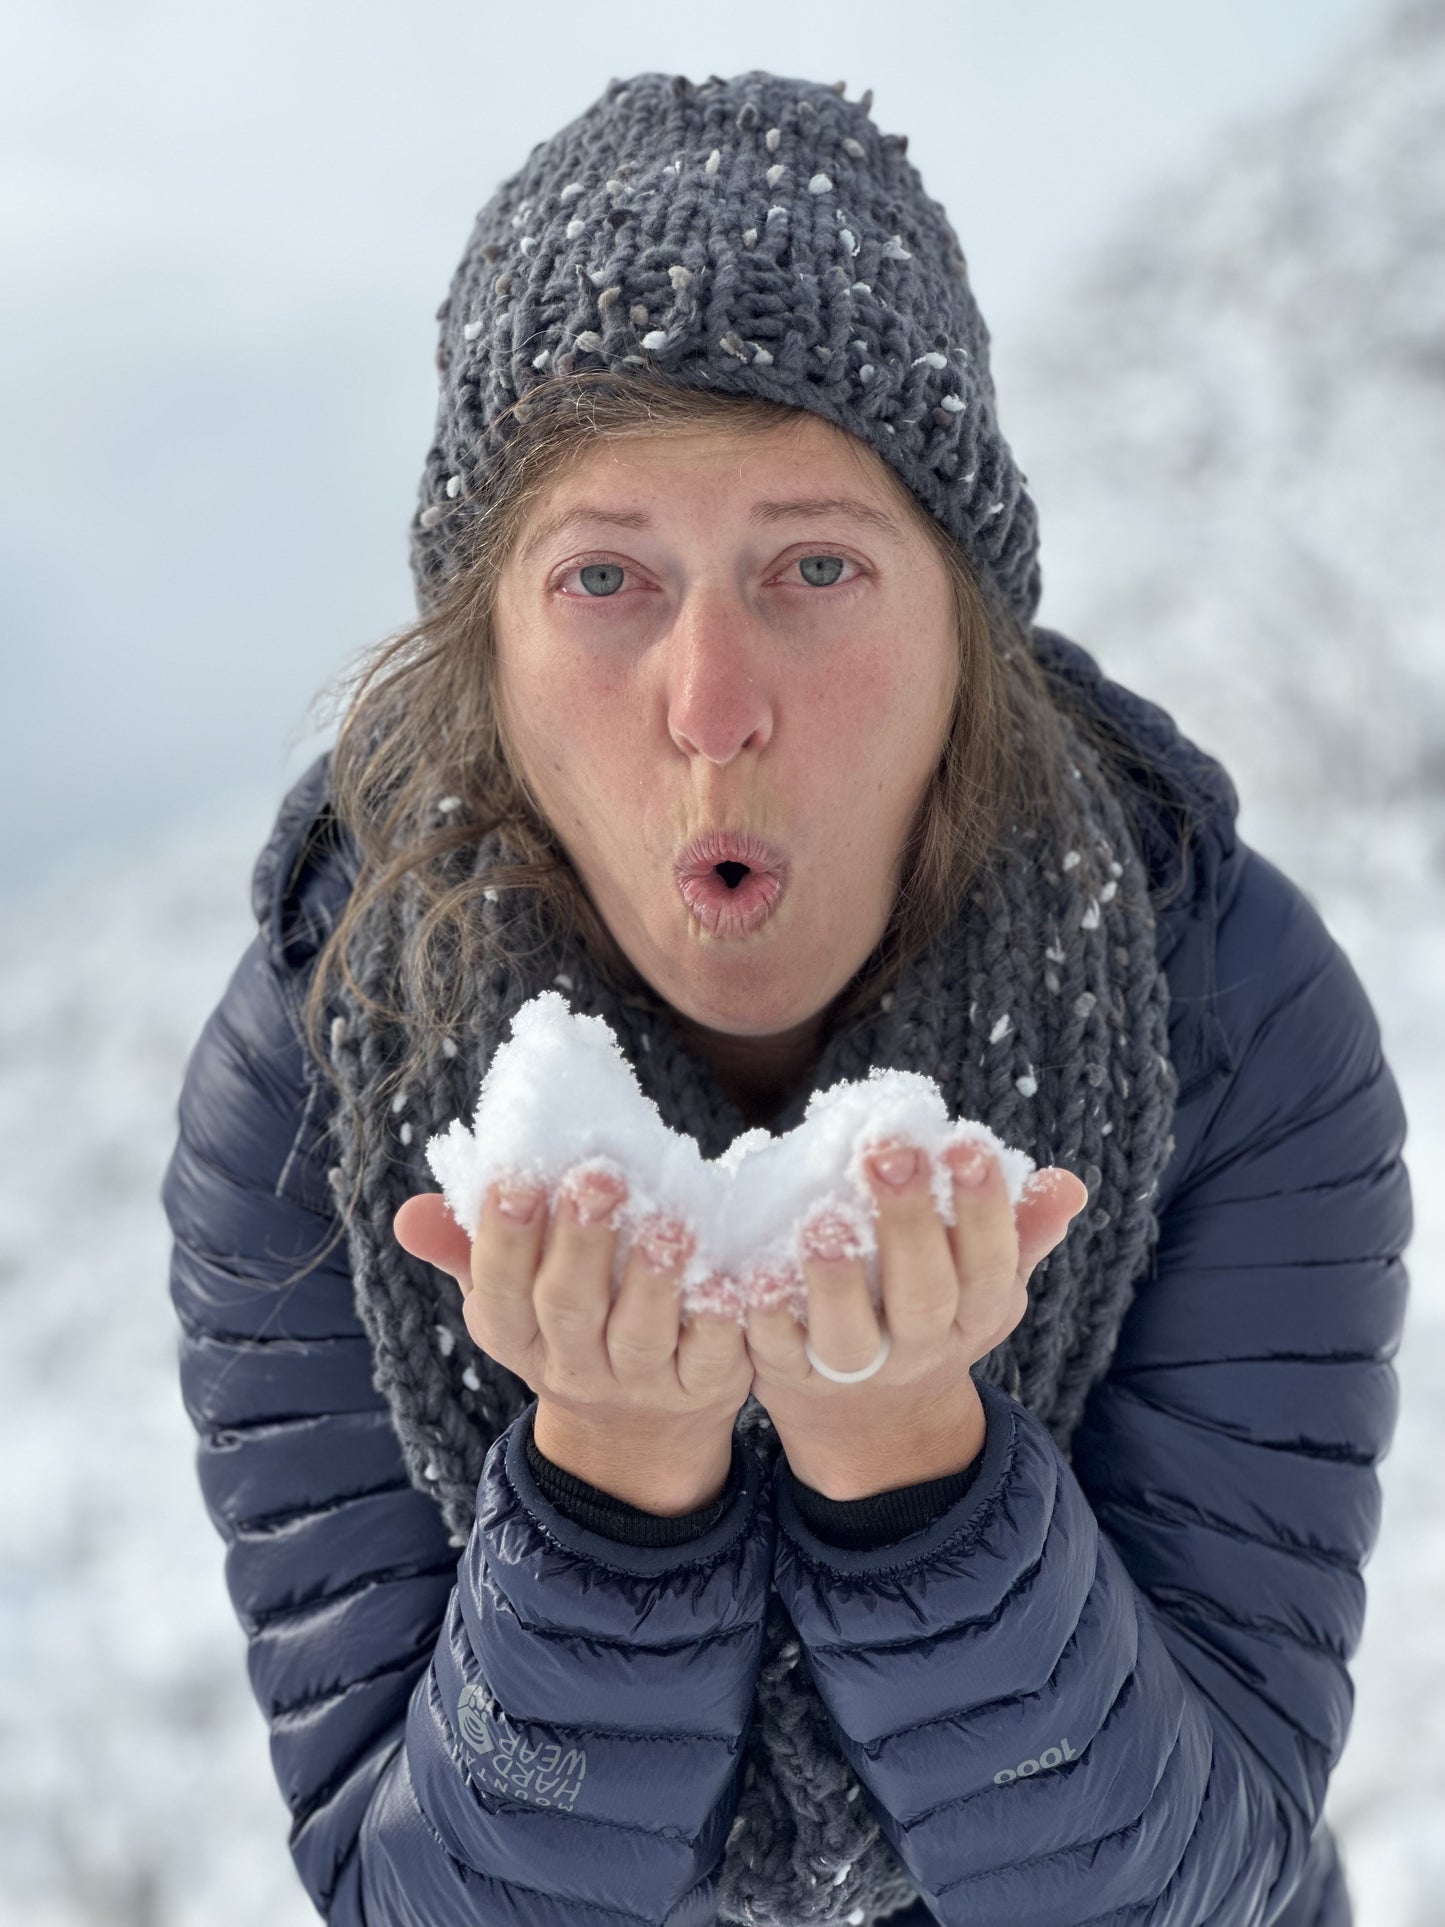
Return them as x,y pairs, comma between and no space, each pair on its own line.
1041,1010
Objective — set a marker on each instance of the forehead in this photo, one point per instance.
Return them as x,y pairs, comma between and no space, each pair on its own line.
798,439
802,456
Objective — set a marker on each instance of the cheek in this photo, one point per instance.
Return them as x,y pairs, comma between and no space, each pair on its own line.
871,716
851,684
569,705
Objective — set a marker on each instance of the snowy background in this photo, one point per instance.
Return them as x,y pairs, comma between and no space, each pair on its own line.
1216,288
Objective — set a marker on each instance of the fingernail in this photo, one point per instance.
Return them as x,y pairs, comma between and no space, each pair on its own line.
518,1203
665,1243
969,1164
830,1237
894,1168
594,1198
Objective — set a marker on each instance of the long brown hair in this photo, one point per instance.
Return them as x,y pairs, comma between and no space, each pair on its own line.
423,767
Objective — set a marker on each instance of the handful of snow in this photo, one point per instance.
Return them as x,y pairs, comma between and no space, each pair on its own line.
560,1093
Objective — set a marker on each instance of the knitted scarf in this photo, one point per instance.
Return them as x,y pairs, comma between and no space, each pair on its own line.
1041,1010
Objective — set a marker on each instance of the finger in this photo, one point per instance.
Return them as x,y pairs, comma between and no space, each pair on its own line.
425,1227
498,1310
918,1275
1013,1309
573,1292
643,1325
774,1339
710,1351
1051,1200
983,1238
843,1328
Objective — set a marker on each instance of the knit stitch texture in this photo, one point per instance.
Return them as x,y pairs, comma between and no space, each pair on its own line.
757,236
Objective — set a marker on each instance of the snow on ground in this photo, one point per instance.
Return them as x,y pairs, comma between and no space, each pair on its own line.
135,1786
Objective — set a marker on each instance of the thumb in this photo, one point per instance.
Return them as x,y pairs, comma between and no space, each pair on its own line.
425,1227
1051,1200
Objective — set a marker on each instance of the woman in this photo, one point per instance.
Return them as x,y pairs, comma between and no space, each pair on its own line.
1029,1596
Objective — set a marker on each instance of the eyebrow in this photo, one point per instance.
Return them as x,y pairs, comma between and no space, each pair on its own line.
761,514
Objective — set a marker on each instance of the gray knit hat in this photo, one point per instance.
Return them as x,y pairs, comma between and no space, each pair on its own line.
757,236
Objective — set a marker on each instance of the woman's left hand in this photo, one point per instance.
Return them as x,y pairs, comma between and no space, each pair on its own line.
950,1295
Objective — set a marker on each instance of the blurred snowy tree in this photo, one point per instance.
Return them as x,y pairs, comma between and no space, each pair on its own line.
1234,424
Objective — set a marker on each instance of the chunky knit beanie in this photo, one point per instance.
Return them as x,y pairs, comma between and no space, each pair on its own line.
755,236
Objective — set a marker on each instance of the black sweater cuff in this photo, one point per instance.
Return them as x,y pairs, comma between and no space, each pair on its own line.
856,1524
588,1505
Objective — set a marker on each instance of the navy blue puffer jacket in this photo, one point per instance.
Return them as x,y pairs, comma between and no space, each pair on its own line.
1105,1689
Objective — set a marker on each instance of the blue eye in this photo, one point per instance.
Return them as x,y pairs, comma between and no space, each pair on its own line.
602,580
607,577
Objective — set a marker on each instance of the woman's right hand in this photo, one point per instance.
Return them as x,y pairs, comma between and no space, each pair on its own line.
627,1398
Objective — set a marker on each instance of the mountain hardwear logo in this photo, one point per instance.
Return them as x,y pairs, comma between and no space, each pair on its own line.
541,1771
1052,1756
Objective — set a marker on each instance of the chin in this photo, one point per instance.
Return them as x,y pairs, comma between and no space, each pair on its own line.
739,1014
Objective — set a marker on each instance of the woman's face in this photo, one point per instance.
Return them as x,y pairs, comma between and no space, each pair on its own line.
667,667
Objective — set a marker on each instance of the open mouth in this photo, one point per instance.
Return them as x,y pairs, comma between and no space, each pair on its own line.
732,880
732,899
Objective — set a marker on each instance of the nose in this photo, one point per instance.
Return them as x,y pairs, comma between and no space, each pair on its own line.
719,684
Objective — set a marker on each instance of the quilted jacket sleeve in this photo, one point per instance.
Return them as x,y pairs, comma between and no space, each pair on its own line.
1115,1689
548,1729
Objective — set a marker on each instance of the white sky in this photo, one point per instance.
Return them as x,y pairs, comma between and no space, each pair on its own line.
225,231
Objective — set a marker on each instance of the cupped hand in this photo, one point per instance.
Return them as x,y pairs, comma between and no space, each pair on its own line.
950,1295
628,1398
